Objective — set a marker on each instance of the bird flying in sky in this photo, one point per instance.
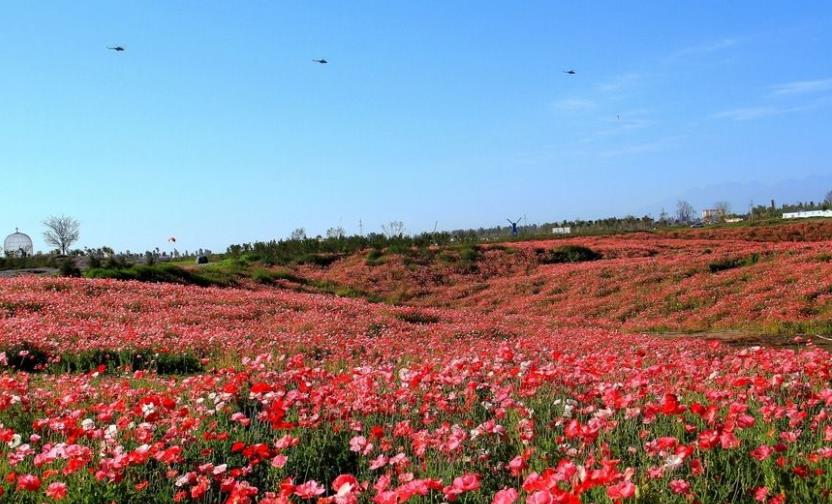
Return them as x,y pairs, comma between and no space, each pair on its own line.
117,48
322,61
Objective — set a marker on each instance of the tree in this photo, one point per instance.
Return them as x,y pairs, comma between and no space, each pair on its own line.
393,229
828,198
61,232
336,233
684,211
298,234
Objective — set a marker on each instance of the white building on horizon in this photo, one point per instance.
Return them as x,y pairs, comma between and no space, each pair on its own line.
806,214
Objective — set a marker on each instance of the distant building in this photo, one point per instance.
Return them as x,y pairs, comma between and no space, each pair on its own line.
807,214
562,230
712,215
18,244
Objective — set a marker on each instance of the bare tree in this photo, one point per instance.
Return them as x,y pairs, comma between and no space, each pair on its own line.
336,232
684,211
61,232
393,229
298,234
723,208
828,198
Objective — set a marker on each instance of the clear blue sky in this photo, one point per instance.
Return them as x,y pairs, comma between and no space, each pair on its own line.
216,127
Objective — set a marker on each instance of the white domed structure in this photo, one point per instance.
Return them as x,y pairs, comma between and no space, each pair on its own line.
18,244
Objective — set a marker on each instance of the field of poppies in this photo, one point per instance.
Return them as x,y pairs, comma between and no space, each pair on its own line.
500,376
641,283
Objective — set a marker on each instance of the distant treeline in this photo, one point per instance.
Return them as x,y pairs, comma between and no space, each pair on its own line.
769,211
608,225
320,250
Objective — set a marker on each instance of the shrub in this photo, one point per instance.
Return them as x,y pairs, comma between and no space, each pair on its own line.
470,254
317,259
262,276
568,254
114,262
447,258
415,317
419,257
402,248
68,268
374,258
465,262
288,276
733,262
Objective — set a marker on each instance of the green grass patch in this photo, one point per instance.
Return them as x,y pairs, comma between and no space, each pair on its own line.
164,273
822,327
33,359
336,289
162,363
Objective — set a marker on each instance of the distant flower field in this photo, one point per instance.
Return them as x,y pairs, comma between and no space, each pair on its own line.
117,391
642,283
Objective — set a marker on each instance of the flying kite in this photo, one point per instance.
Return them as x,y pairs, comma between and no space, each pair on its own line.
322,61
117,48
570,72
172,239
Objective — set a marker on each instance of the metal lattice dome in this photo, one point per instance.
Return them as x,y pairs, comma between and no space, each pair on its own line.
18,244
